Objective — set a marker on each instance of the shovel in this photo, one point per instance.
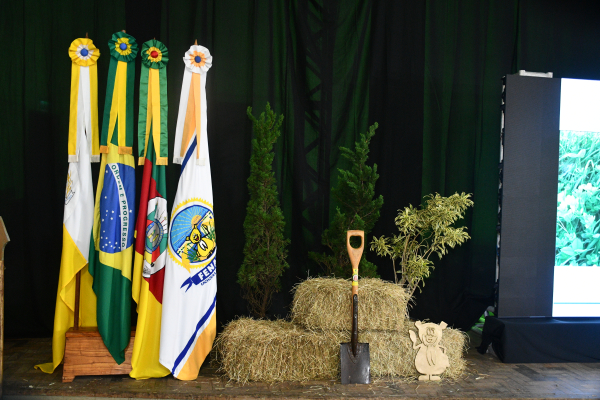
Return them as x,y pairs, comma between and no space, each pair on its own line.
355,359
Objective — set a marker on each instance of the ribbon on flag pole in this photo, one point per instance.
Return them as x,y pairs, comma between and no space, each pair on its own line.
153,101
191,119
152,221
111,248
118,107
79,199
190,287
84,97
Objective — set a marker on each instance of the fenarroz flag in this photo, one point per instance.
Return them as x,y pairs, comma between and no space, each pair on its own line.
152,220
111,249
190,287
79,199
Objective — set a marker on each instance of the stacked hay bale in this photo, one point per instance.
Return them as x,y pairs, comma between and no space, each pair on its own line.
308,347
326,304
275,351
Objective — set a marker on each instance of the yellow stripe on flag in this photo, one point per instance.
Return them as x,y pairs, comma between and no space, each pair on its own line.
193,120
72,146
189,124
118,109
136,282
144,362
154,89
153,116
203,346
142,160
198,110
71,262
94,113
118,260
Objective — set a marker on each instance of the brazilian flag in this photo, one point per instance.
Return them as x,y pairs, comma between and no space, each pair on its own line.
111,250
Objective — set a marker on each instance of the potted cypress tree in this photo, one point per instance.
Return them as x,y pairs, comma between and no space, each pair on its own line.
265,250
359,209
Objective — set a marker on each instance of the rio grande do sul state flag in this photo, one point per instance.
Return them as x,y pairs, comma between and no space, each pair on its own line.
190,286
152,221
79,199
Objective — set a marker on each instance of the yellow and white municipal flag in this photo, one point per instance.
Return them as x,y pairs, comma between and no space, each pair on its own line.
79,199
190,286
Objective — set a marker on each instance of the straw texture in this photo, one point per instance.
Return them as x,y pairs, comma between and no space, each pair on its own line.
275,351
325,303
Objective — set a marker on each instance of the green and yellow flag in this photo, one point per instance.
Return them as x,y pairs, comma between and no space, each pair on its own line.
111,249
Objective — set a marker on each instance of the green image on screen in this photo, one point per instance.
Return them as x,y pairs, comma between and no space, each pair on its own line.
577,251
578,209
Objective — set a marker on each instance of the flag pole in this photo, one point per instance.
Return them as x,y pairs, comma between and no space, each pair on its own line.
4,239
77,285
77,293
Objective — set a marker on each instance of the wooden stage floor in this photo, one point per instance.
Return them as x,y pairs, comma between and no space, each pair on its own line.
487,378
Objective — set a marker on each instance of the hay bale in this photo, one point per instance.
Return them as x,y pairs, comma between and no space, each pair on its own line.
325,304
392,353
275,351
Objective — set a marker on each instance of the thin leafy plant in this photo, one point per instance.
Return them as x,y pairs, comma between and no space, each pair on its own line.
422,232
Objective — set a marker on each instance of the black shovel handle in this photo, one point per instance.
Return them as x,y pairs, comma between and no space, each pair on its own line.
354,337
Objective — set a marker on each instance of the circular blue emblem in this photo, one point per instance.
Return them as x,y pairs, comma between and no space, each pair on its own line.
84,52
123,46
154,235
192,240
198,59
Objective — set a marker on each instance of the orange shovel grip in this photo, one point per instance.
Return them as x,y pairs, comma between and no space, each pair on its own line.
355,255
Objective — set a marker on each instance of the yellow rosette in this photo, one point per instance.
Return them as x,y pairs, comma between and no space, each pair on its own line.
84,86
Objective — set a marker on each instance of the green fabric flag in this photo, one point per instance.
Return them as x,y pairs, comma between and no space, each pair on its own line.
111,250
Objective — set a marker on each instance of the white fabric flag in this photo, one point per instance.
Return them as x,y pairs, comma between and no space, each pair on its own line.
78,215
190,287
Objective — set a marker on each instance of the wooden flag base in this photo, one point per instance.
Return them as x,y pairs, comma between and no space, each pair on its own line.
86,354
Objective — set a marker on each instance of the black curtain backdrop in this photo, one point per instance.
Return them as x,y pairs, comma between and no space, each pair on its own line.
427,71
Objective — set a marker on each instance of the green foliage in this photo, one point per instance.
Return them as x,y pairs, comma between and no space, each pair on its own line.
423,232
265,249
577,225
359,209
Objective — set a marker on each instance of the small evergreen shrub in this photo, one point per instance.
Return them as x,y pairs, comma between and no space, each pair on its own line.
359,209
265,248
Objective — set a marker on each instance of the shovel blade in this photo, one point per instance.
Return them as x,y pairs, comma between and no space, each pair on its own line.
355,369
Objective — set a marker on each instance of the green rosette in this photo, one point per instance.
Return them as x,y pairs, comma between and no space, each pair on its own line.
123,50
118,51
160,59
152,119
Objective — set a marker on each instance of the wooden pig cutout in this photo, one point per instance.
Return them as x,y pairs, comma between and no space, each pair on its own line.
431,359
